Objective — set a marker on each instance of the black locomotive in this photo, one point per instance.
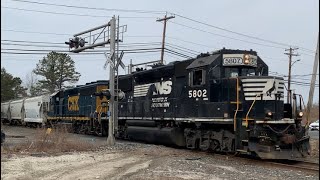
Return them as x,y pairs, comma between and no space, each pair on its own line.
222,101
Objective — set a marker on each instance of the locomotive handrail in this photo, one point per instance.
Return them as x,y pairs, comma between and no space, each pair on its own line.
237,102
247,115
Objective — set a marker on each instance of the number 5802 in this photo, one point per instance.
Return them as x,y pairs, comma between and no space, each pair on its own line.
197,93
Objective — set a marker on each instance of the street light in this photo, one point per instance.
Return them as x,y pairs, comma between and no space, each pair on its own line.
295,62
289,80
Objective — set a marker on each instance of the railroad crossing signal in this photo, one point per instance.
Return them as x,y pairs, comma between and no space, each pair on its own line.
109,61
76,42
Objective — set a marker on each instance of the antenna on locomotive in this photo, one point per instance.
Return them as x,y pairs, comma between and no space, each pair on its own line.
108,33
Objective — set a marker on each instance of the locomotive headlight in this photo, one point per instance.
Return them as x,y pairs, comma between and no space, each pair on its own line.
300,114
246,59
269,114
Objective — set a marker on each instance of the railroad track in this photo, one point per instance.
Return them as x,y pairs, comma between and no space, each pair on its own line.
298,165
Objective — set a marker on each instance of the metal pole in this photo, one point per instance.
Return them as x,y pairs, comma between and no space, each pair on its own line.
111,139
313,82
289,77
115,109
130,67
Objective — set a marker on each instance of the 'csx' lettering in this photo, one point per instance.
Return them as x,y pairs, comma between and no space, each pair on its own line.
162,88
73,103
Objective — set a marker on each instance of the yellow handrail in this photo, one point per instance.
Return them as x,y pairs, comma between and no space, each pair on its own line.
250,109
237,102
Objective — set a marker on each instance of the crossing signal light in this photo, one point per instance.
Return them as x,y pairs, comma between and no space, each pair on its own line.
103,93
82,42
106,93
76,43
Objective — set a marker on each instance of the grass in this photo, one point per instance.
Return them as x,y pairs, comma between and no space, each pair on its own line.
57,141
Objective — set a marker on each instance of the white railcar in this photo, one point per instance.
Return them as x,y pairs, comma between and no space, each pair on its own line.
5,111
17,111
36,109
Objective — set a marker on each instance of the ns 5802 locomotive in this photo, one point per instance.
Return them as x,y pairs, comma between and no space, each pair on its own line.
223,101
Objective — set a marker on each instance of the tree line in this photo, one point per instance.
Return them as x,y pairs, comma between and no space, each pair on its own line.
53,72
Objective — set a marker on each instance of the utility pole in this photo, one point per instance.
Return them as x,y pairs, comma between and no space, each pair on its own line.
165,19
111,139
313,82
290,54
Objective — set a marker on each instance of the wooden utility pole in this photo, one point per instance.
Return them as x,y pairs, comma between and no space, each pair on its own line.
313,82
165,19
290,54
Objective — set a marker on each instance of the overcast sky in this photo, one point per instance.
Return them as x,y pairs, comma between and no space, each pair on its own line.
289,22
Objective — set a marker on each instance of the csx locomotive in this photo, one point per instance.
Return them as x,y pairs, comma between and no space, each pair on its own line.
223,101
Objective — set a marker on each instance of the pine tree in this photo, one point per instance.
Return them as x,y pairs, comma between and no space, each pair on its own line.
57,69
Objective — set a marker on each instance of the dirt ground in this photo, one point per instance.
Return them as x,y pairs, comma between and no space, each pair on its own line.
129,160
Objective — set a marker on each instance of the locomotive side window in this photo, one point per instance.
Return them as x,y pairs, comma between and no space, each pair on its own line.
197,77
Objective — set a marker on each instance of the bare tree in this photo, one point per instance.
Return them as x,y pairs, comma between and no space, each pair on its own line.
32,84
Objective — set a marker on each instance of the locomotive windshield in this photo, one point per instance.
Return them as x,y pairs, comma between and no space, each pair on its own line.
239,71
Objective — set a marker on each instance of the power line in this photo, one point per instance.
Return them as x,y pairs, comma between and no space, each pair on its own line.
36,32
72,14
31,44
228,37
36,42
42,50
92,8
240,34
161,12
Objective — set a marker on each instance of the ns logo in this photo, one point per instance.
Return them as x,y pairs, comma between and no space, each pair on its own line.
161,88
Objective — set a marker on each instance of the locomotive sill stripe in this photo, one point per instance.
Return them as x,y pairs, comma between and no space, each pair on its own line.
264,99
264,95
69,118
285,121
181,119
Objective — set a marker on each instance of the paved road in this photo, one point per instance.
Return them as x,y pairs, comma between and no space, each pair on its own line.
314,134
